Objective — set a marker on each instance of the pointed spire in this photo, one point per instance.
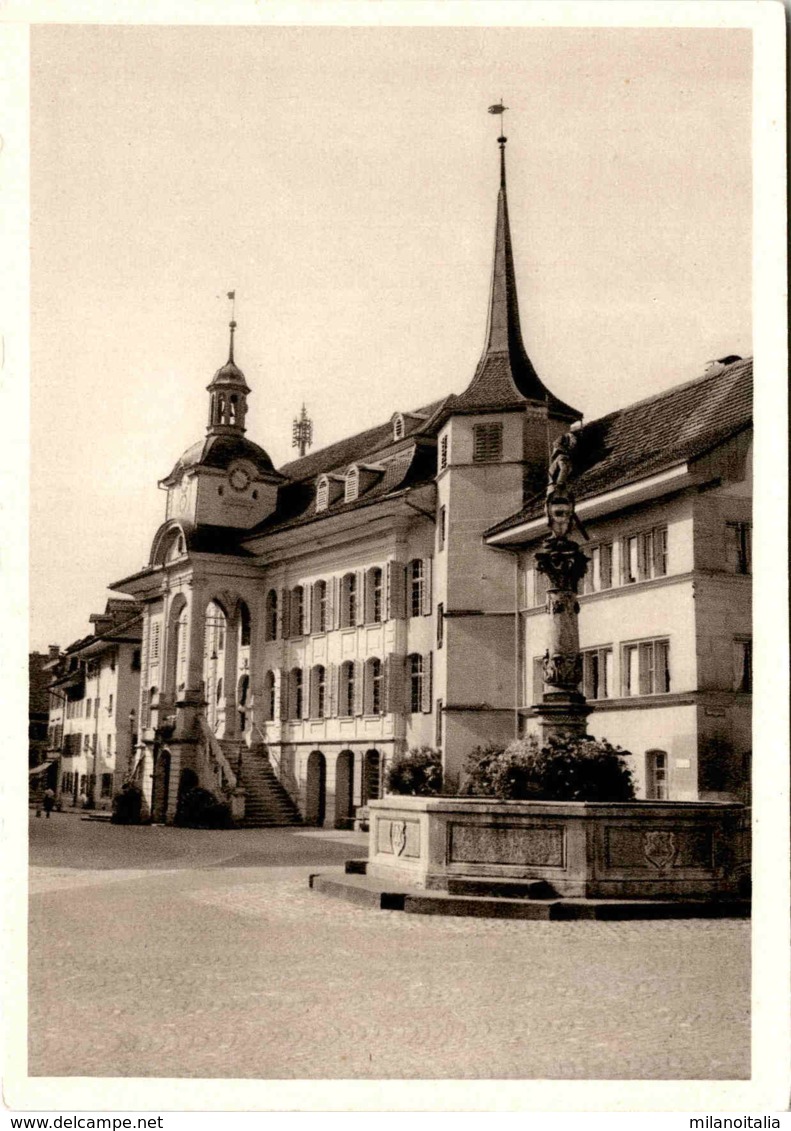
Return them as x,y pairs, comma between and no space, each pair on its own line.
232,325
505,374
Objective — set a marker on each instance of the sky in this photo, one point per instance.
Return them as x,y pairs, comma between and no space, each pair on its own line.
343,181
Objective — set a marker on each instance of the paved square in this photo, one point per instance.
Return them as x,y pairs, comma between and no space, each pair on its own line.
164,952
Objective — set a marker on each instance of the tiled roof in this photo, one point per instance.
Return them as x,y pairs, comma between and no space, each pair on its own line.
644,438
219,452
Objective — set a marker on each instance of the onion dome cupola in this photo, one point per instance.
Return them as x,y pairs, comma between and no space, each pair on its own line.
228,397
225,480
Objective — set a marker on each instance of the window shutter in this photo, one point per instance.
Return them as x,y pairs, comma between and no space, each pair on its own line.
307,687
284,614
427,592
646,668
396,590
426,703
361,595
284,690
395,678
331,691
336,602
359,669
605,565
307,608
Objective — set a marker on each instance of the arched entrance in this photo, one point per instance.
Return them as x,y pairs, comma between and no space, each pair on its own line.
215,639
344,785
316,789
372,776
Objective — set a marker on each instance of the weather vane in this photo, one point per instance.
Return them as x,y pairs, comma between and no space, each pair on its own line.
499,108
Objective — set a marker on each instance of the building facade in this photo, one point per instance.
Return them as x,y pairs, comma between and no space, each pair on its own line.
94,691
303,626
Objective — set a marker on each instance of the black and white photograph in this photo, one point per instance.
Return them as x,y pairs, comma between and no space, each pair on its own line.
407,641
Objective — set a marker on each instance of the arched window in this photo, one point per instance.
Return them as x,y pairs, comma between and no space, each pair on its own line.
244,625
346,706
318,705
269,696
297,611
320,606
415,669
323,493
373,687
349,600
352,486
416,580
295,694
373,596
270,632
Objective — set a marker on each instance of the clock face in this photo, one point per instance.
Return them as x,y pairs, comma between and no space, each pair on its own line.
239,479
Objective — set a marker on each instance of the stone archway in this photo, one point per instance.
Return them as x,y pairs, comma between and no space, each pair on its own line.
344,788
316,789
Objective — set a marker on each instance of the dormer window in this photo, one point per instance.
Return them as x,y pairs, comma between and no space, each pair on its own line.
352,488
322,494
398,427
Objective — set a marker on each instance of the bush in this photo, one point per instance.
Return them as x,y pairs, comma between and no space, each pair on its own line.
200,809
566,769
418,773
128,805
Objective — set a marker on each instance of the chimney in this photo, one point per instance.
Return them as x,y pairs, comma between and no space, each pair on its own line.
54,651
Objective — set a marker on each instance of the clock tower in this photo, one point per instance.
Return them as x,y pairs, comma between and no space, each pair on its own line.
224,480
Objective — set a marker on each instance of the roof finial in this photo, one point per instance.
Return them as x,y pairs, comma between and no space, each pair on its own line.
500,108
232,323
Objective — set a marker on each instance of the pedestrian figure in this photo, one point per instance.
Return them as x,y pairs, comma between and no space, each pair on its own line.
49,801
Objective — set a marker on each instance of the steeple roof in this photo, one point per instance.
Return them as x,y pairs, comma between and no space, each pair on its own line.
505,375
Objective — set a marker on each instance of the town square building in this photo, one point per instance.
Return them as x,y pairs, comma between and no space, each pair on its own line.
304,625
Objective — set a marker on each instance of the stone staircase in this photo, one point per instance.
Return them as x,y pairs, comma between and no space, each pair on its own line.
267,804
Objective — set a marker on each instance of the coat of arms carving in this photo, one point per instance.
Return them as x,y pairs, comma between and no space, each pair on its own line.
398,836
659,848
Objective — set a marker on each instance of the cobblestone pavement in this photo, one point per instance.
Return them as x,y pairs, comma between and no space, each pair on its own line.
163,952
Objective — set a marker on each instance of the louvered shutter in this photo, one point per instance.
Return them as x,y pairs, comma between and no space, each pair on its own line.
395,678
284,689
336,602
427,593
285,614
331,691
426,704
307,609
359,676
396,590
361,596
307,687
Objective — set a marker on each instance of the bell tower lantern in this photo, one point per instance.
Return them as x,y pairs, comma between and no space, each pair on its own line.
228,397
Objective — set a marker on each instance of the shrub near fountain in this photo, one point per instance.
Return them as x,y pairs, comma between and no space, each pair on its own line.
557,819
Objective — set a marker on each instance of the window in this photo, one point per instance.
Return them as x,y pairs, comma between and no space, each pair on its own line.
438,724
349,600
597,673
415,668
318,707
739,547
270,632
297,611
323,494
398,427
374,596
320,606
416,587
656,775
443,452
346,706
644,555
440,624
441,527
373,687
135,665
646,668
743,665
107,785
352,486
295,694
269,696
487,443
598,575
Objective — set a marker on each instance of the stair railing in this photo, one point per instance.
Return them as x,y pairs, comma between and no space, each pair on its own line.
215,756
